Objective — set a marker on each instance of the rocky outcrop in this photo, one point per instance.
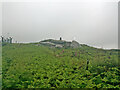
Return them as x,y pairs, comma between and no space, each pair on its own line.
60,43
75,44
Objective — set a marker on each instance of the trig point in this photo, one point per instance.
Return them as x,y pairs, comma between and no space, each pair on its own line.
60,38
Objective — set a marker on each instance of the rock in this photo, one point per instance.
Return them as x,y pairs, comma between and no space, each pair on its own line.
60,43
75,44
48,43
59,46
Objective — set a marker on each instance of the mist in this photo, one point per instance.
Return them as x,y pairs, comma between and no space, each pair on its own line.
92,23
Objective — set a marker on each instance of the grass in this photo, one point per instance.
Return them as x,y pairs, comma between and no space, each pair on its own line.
31,66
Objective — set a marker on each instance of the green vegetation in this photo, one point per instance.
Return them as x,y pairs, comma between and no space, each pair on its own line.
32,66
0,66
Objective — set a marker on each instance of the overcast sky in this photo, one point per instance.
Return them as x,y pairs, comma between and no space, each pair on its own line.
92,23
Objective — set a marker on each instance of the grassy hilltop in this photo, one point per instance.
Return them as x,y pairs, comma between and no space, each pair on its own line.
41,66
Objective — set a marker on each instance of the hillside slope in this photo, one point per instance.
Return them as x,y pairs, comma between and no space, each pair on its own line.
40,66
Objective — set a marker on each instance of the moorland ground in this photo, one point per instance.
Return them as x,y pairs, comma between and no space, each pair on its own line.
32,66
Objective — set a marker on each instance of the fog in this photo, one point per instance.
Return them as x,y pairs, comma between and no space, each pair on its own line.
92,23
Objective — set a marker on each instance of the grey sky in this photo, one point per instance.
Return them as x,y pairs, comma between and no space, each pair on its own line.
95,24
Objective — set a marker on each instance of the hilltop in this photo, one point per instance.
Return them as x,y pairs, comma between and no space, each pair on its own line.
70,44
37,65
60,43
